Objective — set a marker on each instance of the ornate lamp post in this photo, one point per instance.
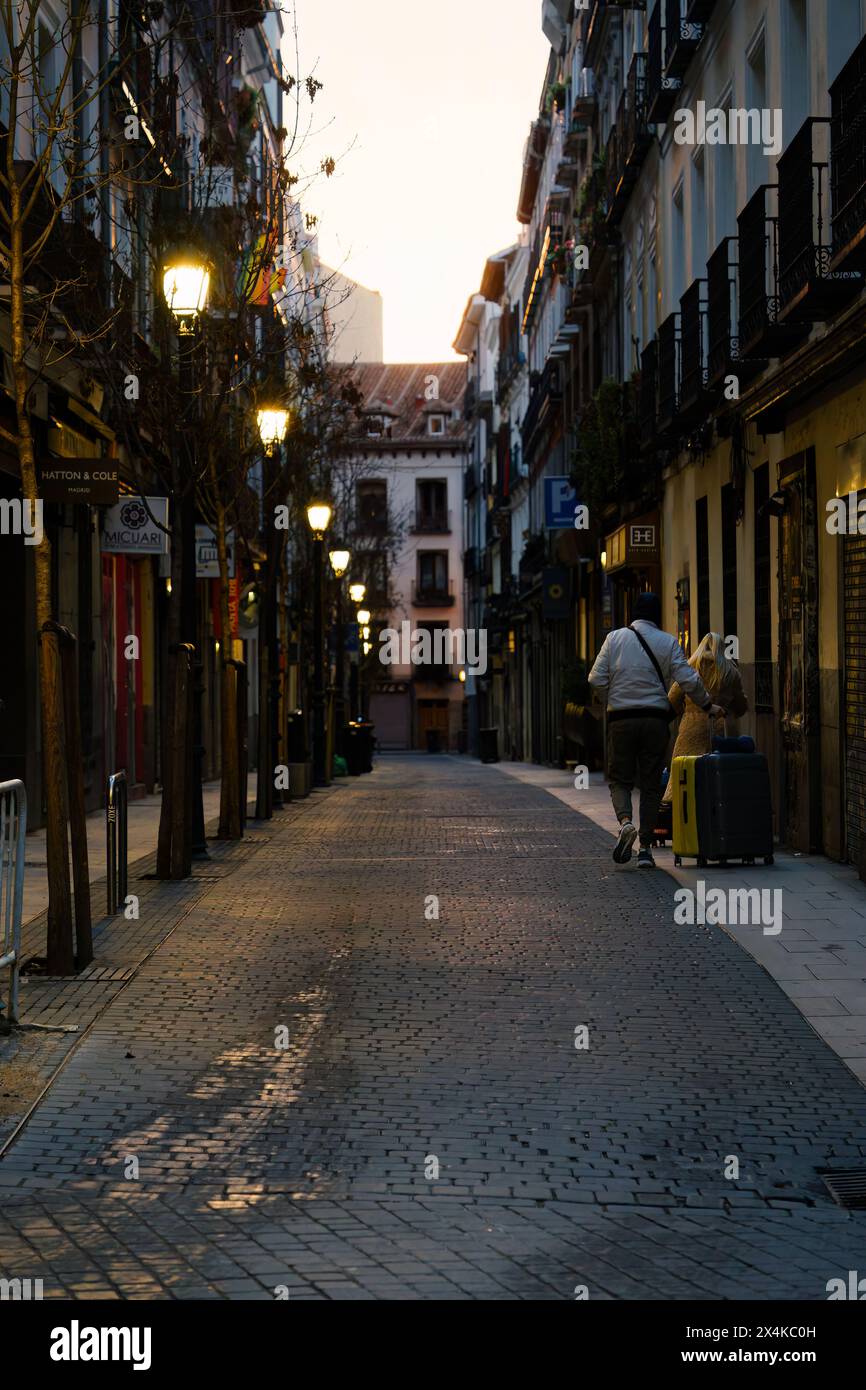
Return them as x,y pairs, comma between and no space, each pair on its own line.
318,520
273,422
356,594
339,564
185,285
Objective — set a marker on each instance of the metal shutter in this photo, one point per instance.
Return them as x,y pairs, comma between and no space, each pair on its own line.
855,692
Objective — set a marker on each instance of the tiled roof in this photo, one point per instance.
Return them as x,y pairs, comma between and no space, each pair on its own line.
399,391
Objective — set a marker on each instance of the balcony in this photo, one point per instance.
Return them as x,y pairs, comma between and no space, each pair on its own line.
545,400
433,596
431,524
618,187
637,136
723,356
647,408
682,37
693,396
761,334
662,88
668,374
848,163
583,109
809,291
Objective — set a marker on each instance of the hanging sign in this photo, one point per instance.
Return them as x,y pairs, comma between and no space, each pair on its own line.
78,480
136,526
206,560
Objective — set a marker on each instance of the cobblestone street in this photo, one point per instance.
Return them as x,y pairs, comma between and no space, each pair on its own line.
181,1152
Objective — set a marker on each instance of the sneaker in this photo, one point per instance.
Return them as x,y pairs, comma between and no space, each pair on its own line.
645,858
627,837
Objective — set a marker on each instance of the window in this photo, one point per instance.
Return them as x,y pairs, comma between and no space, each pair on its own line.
763,581
431,505
376,427
844,31
795,59
702,539
678,248
371,500
729,561
724,185
756,99
435,424
699,217
433,574
441,651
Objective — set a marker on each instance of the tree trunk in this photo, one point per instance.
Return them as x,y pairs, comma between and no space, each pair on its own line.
230,789
60,940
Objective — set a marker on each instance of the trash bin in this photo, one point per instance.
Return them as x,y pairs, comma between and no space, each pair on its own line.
434,741
353,749
488,745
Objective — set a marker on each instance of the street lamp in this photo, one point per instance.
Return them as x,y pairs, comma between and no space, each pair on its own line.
357,592
340,559
318,519
273,422
363,617
185,285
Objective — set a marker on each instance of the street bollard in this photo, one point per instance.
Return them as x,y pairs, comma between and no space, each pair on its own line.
117,840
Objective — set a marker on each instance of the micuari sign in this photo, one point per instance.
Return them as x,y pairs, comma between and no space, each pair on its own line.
136,526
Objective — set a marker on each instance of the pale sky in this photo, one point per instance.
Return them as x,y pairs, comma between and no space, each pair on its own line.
426,107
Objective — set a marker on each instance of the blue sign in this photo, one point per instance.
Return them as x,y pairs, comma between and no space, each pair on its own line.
560,500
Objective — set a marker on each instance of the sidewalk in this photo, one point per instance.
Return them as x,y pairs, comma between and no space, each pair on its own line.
819,957
143,828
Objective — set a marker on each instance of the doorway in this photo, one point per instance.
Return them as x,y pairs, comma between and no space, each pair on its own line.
800,811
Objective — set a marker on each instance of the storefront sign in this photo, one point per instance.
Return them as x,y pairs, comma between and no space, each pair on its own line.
92,481
136,526
206,559
635,544
234,602
555,593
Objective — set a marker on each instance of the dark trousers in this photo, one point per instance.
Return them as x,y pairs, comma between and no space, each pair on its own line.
636,752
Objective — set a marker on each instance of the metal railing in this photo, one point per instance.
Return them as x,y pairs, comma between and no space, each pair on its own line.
13,828
117,839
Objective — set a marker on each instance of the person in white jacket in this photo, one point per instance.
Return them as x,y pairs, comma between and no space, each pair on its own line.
633,673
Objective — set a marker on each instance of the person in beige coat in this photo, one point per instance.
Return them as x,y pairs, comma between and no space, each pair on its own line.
722,680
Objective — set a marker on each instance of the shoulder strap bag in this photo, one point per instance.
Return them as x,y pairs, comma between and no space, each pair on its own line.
672,714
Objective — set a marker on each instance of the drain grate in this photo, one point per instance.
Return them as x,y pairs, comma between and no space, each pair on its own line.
847,1188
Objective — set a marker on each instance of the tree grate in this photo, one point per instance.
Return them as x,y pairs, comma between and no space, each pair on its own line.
847,1188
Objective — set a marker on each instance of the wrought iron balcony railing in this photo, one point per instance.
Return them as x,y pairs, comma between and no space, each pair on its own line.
809,291
693,396
682,37
848,162
648,406
761,334
637,136
668,373
433,595
662,87
432,523
723,344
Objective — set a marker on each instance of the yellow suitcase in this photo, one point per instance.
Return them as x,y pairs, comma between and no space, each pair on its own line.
685,817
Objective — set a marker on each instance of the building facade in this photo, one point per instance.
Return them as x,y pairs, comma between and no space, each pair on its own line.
695,314
406,477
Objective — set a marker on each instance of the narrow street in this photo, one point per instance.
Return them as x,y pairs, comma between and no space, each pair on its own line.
183,1151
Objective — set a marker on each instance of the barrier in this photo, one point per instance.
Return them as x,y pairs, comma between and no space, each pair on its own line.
116,836
13,828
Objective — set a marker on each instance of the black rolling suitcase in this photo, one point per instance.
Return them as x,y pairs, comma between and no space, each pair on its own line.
734,808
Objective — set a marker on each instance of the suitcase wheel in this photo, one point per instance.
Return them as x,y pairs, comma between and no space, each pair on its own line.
769,859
